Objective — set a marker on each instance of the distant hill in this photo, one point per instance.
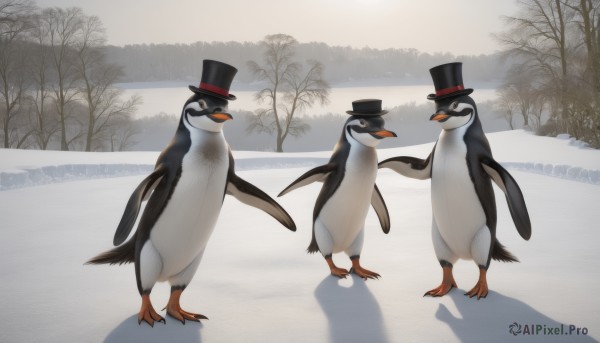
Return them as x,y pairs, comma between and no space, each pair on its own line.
183,62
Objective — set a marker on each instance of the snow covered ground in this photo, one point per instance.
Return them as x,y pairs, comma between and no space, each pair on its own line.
257,284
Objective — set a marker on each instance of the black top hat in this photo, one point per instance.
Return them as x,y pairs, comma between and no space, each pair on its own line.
366,107
448,82
216,80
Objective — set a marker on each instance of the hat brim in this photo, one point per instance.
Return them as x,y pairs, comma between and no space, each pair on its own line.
466,91
216,95
367,114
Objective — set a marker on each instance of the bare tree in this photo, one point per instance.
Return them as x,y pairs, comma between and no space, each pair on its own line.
539,36
14,23
64,27
520,89
556,43
585,115
12,12
46,121
587,19
98,79
121,136
506,105
288,91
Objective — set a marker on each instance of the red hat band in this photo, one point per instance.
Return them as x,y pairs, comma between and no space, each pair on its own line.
214,89
445,91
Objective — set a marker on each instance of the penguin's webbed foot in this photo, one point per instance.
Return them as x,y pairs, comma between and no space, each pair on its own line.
360,271
339,272
335,271
178,313
441,290
364,273
447,283
148,314
481,288
174,309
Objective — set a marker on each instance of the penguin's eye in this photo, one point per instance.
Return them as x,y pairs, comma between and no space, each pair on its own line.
362,123
202,104
454,105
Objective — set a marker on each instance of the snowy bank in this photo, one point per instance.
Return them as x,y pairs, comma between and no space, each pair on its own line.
17,178
517,150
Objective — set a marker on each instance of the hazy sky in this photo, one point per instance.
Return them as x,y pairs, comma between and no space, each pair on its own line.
456,26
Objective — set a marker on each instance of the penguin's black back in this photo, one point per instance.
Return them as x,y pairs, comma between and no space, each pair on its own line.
170,158
478,148
168,169
331,184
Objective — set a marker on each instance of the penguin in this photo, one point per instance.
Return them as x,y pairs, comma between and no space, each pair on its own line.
348,189
461,168
184,196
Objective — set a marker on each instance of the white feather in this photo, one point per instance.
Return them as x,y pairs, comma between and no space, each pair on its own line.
480,246
187,222
344,214
150,265
456,208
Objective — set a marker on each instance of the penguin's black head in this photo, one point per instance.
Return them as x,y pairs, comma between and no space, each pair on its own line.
367,130
454,112
206,112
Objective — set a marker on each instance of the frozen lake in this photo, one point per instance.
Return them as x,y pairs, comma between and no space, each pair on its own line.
170,99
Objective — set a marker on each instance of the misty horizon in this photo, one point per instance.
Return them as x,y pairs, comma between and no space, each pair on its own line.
431,26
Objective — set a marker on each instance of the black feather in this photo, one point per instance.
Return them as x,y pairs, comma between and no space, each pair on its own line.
119,255
499,253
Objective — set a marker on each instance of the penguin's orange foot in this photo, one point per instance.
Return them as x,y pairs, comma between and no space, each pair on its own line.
364,273
148,314
480,290
339,272
442,290
175,311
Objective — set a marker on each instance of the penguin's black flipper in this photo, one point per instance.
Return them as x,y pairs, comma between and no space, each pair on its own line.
253,196
514,196
412,167
319,173
381,209
141,193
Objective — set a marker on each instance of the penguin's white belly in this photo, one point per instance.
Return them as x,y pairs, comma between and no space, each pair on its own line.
188,220
457,210
345,212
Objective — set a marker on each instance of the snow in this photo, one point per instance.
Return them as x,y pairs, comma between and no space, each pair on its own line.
257,284
22,168
518,150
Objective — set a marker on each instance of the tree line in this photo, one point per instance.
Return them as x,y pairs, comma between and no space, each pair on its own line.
160,62
554,83
58,78
57,88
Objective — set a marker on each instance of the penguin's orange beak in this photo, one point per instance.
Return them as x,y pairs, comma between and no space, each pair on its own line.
439,116
221,117
384,134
